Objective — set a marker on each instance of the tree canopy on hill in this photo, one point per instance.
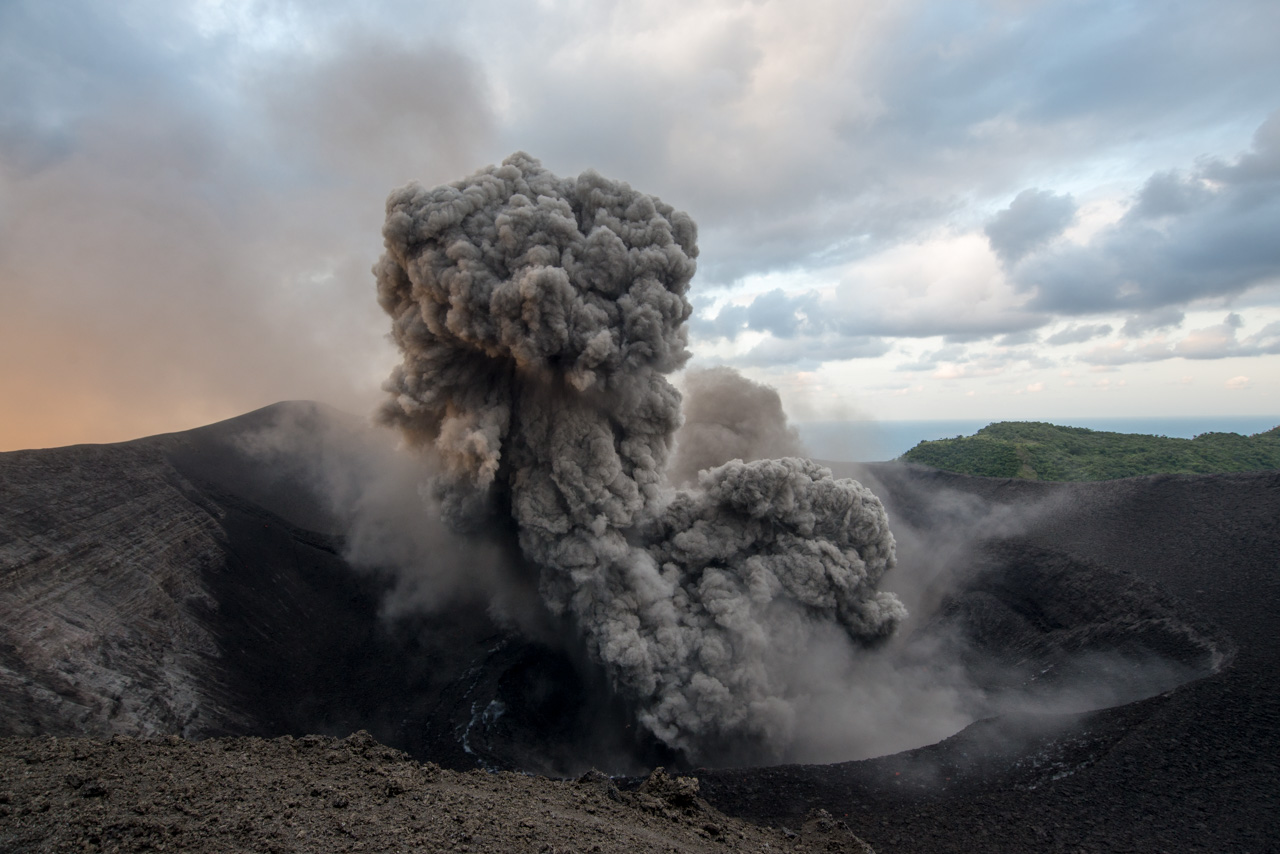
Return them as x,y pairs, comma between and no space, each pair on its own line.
1038,451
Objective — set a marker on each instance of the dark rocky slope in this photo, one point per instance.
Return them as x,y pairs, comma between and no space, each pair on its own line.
352,794
1192,769
178,584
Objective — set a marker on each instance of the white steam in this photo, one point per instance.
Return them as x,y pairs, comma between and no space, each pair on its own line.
538,318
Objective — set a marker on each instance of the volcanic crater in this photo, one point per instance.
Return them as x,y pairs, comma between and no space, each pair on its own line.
1116,641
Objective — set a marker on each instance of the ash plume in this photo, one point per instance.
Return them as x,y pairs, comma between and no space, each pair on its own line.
728,417
538,318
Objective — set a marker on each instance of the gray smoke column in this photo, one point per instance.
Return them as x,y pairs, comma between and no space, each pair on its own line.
727,417
538,318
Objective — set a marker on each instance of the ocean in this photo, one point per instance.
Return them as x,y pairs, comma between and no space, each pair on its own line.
867,441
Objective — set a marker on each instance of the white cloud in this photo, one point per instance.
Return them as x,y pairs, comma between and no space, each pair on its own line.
947,285
1219,341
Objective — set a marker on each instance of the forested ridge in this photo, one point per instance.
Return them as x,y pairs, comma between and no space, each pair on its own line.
1040,451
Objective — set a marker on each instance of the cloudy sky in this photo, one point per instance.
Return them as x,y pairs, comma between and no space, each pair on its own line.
947,209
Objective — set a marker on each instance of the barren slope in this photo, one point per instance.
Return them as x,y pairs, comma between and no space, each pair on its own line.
176,585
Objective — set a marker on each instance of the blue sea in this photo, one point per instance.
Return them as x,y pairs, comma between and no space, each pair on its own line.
867,441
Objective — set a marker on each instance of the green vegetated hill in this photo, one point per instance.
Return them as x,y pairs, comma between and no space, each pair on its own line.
1039,451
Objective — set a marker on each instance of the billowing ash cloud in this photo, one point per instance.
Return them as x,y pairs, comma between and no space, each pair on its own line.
727,417
538,318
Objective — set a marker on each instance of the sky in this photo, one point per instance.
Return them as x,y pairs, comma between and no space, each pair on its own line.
907,210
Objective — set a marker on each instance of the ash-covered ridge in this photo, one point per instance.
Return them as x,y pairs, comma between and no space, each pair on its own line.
538,318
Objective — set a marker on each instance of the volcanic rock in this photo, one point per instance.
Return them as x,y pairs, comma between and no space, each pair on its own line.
327,794
187,585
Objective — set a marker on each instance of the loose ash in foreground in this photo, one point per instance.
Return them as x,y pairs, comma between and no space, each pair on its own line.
538,318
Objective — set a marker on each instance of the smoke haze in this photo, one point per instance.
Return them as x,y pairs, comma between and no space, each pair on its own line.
330,472
965,653
538,318
727,417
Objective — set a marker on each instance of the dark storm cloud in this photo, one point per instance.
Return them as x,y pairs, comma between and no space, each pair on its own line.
1209,233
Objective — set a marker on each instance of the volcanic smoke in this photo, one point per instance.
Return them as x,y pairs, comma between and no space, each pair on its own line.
538,319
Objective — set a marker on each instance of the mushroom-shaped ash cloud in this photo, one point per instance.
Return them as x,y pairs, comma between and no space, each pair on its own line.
538,318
